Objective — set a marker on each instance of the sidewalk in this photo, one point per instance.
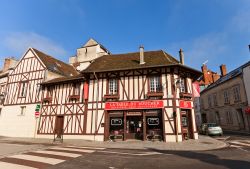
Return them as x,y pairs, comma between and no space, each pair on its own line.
203,143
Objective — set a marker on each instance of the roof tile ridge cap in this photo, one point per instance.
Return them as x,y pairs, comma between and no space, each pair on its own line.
134,52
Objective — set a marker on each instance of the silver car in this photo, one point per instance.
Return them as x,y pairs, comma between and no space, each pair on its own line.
211,129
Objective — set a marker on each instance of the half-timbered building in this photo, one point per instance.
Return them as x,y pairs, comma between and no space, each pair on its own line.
142,95
23,91
63,108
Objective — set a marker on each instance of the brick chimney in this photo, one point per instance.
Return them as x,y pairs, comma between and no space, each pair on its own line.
141,55
181,54
9,63
223,70
205,74
215,77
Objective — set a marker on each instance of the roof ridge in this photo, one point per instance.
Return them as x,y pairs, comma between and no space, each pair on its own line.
52,57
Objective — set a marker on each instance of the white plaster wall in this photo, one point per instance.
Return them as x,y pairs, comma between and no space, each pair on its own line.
80,137
15,125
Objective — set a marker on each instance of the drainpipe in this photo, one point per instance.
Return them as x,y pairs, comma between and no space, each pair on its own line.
96,109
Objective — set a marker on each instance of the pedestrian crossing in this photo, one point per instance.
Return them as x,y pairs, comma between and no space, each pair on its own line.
45,158
239,143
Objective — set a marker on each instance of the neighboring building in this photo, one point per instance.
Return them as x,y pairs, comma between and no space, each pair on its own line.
246,77
9,63
208,77
225,101
23,92
87,53
63,108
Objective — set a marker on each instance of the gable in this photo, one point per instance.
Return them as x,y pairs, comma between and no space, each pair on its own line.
28,63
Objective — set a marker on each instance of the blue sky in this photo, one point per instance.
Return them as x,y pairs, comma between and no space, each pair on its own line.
213,30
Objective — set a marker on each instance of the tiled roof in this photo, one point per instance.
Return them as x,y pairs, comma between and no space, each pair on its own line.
56,65
63,79
131,61
227,77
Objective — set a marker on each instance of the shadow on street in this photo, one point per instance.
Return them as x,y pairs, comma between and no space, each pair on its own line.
208,158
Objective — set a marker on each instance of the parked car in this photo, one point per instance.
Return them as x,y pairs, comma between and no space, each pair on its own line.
211,129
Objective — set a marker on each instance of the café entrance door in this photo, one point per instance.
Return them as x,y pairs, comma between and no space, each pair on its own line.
134,126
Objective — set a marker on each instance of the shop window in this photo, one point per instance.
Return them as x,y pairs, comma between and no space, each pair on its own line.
113,86
23,89
116,126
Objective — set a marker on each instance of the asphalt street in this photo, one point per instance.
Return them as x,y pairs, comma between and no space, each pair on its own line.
30,156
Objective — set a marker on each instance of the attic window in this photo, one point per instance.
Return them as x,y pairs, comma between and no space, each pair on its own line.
55,68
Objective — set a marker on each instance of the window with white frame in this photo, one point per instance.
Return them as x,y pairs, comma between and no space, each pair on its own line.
182,85
226,96
23,89
236,93
23,110
154,84
113,86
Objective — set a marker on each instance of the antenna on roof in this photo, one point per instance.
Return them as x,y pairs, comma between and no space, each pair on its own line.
205,62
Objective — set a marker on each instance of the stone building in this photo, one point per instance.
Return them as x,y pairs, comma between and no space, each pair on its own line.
225,101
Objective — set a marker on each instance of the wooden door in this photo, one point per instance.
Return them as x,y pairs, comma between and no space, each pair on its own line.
59,126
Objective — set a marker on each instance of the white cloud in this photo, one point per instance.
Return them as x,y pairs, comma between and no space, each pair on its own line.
19,42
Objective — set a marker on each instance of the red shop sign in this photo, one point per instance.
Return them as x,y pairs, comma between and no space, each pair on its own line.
153,104
185,104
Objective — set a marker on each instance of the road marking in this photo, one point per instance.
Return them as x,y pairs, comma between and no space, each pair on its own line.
72,149
4,165
52,161
239,143
95,148
232,145
134,154
73,155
